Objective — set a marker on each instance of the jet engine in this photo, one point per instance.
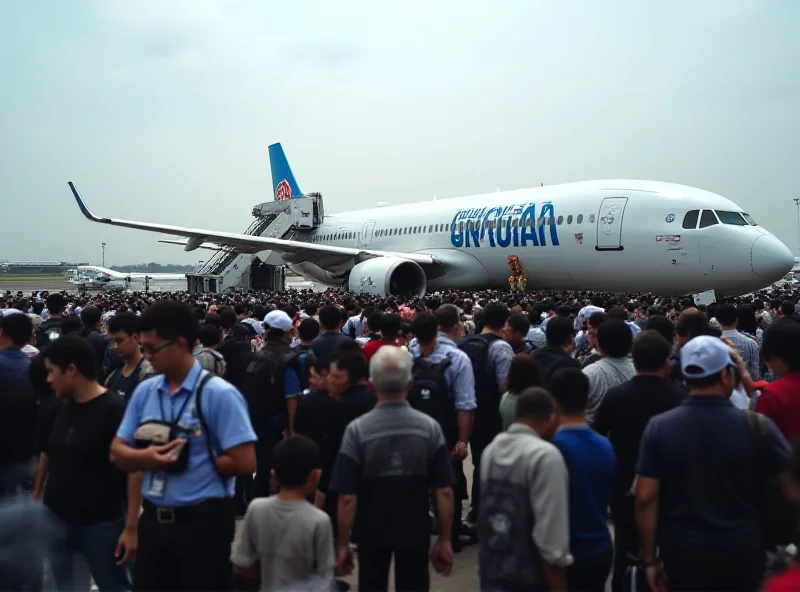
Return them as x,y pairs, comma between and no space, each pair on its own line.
386,276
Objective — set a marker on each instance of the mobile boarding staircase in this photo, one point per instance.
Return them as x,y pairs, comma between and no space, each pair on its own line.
288,219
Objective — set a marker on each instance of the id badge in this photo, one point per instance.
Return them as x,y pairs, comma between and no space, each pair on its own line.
158,483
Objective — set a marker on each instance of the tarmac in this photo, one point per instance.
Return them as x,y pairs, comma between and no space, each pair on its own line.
35,284
463,577
29,285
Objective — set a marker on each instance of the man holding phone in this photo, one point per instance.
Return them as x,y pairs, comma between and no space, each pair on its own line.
190,434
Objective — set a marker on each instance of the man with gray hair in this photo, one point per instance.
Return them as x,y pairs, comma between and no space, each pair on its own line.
389,461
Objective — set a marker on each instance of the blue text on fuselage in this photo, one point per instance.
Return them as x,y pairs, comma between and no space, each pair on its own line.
504,226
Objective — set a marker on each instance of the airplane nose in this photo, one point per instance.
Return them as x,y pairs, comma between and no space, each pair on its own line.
770,258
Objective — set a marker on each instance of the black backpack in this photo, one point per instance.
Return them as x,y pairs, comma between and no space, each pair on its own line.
311,359
48,332
431,395
262,386
476,347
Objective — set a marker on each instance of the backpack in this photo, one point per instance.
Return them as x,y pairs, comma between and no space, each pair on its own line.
430,394
48,332
218,358
263,383
508,557
310,360
476,347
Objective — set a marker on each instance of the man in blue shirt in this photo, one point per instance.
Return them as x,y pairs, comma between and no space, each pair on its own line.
16,331
700,478
187,524
590,462
330,320
436,347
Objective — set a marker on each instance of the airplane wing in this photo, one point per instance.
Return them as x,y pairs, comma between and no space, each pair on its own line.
184,242
293,251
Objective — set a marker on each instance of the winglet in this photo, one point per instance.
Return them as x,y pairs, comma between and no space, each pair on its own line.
84,210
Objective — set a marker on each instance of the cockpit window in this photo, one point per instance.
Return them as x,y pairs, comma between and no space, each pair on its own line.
707,219
749,218
690,219
731,218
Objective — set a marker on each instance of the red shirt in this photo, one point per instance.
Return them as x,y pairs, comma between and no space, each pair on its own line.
780,401
371,347
785,582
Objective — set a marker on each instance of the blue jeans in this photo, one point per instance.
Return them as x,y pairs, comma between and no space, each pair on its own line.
97,543
26,529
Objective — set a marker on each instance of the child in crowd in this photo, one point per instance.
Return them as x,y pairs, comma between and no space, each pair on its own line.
286,540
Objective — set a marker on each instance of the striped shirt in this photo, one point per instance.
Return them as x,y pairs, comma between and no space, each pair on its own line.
748,348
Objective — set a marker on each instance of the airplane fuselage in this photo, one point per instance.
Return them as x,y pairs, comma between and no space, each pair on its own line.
618,236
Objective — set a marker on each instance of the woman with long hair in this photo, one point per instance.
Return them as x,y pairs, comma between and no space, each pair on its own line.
523,373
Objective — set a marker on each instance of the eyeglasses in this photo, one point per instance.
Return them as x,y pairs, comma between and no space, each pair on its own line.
150,350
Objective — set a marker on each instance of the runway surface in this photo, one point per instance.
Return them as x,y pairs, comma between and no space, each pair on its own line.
29,285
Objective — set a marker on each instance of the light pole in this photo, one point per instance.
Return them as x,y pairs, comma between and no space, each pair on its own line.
797,203
104,254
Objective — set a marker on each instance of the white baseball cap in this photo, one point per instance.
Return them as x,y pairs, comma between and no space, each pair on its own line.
278,320
705,356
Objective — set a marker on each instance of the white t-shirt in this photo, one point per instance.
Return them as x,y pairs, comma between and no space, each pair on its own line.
739,398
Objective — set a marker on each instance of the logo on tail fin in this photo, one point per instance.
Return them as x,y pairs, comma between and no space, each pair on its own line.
283,190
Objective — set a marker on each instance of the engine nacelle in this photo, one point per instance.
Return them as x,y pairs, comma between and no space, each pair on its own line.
385,276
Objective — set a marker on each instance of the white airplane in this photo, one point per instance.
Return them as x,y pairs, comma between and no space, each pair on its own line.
104,273
611,236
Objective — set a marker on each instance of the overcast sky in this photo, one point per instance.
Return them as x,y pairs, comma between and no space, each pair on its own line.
163,111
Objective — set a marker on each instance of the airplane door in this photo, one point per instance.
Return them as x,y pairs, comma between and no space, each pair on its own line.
609,224
366,234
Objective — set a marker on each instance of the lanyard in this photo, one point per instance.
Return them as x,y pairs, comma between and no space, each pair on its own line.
183,407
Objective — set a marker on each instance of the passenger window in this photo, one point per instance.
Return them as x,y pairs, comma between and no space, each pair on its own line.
707,218
560,220
580,219
569,219
690,219
430,228
591,218
733,218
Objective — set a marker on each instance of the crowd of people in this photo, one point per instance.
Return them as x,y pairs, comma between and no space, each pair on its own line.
572,436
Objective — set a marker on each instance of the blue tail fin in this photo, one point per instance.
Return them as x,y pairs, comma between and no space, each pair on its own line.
284,185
